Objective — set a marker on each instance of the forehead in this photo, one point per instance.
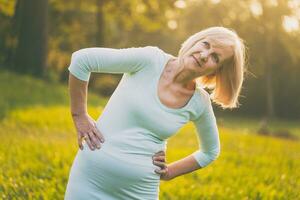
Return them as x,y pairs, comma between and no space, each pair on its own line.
224,51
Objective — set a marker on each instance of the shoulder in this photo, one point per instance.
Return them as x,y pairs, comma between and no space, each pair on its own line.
157,51
203,102
155,57
148,50
152,49
161,57
204,96
150,54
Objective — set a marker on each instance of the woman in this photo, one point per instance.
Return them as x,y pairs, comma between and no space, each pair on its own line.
123,157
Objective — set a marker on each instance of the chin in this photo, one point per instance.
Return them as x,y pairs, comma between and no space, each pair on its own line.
189,65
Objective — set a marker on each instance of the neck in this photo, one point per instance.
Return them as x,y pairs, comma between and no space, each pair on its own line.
179,75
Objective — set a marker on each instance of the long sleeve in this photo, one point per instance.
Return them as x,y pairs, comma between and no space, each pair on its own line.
207,130
108,60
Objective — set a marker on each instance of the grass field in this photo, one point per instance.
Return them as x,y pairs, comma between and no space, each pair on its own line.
38,145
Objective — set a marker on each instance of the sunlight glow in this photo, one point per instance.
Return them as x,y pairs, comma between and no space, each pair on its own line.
290,23
294,4
215,1
180,4
172,24
169,14
256,8
272,3
140,8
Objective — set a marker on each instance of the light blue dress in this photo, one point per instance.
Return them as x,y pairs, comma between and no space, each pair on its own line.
135,125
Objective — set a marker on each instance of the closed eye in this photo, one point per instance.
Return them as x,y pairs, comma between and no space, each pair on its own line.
216,57
207,45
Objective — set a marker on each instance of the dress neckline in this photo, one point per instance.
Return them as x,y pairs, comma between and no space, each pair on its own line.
163,106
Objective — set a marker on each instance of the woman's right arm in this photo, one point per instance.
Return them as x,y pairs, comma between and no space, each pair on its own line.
108,60
103,60
85,125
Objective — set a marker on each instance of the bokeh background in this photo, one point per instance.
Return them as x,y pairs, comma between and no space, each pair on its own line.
260,147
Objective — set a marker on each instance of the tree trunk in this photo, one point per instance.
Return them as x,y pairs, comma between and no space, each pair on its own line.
269,86
31,51
270,96
99,35
100,24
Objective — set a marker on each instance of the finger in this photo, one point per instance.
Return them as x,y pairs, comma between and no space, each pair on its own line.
88,141
162,165
160,158
98,134
94,140
160,153
161,171
79,139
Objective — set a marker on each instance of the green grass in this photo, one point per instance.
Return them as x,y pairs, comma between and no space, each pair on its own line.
38,145
24,91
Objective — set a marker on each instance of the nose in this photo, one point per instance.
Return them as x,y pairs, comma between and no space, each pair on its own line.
203,56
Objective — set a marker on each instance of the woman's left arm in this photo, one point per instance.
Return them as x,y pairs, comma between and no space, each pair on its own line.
209,150
208,135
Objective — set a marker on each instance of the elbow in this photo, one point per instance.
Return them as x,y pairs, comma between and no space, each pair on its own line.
206,157
77,56
79,65
80,55
214,154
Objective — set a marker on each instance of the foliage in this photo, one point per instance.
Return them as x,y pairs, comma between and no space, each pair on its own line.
24,91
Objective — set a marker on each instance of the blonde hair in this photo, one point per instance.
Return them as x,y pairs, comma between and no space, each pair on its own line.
226,82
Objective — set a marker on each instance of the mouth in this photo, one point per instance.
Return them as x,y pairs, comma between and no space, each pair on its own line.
196,60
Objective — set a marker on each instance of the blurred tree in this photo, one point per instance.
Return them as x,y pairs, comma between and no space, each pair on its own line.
31,52
125,24
116,24
271,23
7,33
100,23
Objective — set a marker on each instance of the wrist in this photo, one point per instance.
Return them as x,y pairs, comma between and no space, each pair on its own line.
170,174
78,114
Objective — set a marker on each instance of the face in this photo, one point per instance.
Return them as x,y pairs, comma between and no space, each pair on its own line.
205,59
